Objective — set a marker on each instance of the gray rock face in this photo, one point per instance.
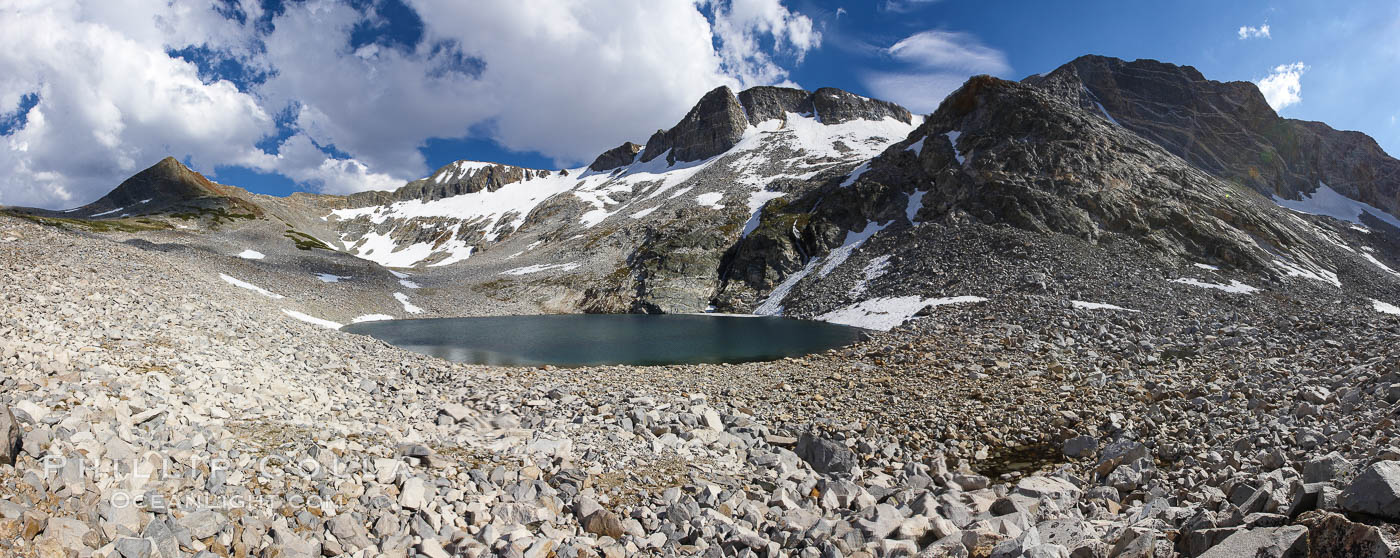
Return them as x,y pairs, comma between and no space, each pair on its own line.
619,156
1326,468
713,126
773,103
1229,130
1268,542
9,437
834,106
829,105
1376,491
203,524
453,179
826,456
1331,534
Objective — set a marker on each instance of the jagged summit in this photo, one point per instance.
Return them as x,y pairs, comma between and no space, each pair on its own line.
1228,129
718,121
452,179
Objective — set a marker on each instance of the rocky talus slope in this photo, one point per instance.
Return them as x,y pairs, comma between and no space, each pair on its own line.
151,410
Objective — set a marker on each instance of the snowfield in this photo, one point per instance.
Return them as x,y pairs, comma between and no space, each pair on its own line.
1385,307
887,313
1234,286
407,306
312,319
1098,306
1331,203
251,255
246,285
570,266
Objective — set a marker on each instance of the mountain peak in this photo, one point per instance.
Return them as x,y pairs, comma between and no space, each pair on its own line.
1227,129
165,185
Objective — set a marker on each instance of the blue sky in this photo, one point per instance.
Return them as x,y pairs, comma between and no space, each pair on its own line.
345,95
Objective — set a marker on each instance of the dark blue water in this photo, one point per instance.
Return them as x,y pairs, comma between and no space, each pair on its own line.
599,339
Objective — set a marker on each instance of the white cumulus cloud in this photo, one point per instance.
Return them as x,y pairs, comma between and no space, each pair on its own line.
1281,87
1248,32
937,63
565,78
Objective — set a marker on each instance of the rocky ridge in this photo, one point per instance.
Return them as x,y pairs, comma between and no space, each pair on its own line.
1228,129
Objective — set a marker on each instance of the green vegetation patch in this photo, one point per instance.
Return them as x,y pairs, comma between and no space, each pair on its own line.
130,225
218,215
305,241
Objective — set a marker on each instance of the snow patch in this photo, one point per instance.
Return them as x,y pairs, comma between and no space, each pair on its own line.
312,319
371,318
853,240
329,278
877,268
456,254
1206,266
409,284
1105,113
1381,265
407,306
1316,274
953,139
773,305
756,202
1098,306
251,255
1233,287
1385,307
1329,202
570,266
916,202
885,314
249,286
107,212
645,212
917,147
855,174
710,200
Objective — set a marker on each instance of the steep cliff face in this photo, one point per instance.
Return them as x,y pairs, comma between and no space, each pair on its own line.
1228,129
715,125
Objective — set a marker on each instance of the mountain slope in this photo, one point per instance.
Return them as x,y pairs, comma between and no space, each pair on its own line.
829,205
1229,130
654,222
1075,188
167,187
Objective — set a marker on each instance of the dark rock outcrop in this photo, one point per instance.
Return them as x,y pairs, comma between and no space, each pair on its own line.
454,179
619,156
1228,129
834,106
773,103
828,105
10,433
713,126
